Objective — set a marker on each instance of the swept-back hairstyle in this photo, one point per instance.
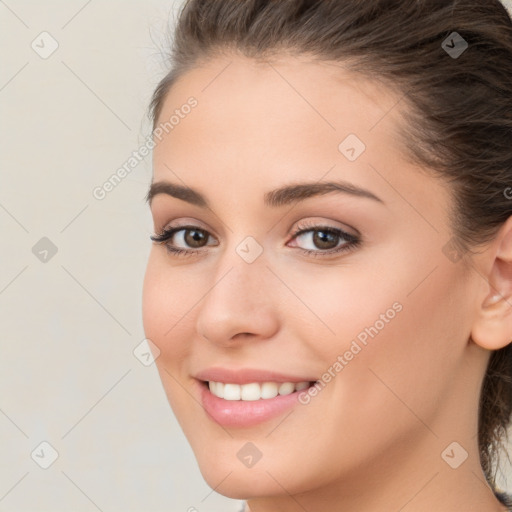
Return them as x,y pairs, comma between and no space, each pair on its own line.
457,108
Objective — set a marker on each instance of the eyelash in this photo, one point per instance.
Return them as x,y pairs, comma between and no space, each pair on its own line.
352,241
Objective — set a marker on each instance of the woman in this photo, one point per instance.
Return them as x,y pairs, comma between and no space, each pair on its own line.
330,285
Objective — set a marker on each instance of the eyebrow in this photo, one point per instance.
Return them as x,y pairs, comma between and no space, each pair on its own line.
282,196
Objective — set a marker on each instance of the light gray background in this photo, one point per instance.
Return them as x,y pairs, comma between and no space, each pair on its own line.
69,326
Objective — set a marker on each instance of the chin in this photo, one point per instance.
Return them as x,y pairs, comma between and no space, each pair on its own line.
242,483
270,476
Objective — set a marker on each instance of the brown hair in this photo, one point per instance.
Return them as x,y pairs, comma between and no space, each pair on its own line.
459,115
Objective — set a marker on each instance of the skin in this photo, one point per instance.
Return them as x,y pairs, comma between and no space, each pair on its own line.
372,439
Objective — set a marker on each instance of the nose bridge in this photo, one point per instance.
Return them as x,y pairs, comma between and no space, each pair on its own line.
237,300
241,271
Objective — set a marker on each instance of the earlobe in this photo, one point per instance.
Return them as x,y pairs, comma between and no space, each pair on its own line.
492,328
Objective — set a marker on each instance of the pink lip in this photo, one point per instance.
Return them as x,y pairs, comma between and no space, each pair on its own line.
240,413
248,375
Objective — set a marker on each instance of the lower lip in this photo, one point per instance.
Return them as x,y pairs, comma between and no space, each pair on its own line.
241,413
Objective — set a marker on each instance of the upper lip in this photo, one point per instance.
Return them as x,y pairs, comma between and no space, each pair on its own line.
247,375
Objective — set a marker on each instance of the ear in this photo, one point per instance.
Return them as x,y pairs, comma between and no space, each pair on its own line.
492,328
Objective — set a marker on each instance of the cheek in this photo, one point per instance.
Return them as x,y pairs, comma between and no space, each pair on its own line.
167,306
162,301
403,344
162,311
401,371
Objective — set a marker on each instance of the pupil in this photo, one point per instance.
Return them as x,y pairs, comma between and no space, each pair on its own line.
324,239
198,236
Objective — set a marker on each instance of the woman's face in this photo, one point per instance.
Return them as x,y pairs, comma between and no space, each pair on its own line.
379,312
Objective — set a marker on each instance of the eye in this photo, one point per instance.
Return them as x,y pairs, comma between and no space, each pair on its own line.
188,236
324,240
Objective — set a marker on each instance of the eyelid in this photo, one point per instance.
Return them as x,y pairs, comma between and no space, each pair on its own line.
185,222
297,228
318,223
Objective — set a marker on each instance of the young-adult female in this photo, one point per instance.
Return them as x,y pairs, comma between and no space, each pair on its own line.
330,287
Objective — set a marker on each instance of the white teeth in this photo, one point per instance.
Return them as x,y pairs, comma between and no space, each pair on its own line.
269,390
231,392
286,388
250,391
254,390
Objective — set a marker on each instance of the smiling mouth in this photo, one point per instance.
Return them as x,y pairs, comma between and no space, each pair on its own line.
255,390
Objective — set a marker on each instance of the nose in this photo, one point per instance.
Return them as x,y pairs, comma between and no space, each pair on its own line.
239,305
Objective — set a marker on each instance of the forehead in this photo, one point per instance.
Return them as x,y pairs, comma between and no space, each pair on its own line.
280,104
320,94
260,125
